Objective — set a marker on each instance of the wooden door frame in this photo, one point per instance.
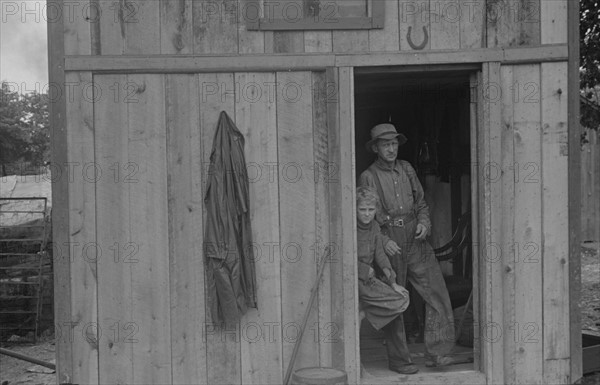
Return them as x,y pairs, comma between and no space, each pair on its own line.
481,372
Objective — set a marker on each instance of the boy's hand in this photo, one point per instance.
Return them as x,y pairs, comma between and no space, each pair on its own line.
390,276
371,273
387,272
392,248
400,289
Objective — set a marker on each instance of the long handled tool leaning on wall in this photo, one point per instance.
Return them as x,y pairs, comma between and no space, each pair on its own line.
313,294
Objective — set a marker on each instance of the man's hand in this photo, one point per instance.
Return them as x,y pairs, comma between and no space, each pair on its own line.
421,232
392,248
371,272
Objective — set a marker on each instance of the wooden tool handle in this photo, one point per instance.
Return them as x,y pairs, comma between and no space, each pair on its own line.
313,294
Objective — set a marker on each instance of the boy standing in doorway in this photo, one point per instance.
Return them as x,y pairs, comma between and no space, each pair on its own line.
404,217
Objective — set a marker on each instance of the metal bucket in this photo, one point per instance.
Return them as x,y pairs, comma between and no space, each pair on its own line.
319,376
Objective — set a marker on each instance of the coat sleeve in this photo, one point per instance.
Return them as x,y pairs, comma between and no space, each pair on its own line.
363,271
381,258
421,207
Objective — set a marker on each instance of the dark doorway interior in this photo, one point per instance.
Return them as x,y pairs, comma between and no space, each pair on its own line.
433,109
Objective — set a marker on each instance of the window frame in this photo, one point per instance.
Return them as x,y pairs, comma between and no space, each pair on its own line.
374,21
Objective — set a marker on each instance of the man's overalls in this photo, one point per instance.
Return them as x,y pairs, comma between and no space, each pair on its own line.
402,207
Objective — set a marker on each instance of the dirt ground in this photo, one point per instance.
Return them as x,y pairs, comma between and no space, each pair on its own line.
590,289
13,371
590,298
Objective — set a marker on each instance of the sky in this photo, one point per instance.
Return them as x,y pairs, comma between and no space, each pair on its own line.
23,44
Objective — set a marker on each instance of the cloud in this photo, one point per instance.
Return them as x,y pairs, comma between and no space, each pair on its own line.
23,44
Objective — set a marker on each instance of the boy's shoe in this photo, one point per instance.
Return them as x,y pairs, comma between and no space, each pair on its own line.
439,361
404,369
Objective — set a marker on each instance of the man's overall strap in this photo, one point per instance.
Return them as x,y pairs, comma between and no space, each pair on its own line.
379,188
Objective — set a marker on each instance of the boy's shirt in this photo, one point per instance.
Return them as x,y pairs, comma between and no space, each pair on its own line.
370,248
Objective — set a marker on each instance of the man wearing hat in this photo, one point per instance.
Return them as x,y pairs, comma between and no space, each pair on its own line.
403,216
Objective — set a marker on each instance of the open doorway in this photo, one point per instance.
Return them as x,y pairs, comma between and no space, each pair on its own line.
432,108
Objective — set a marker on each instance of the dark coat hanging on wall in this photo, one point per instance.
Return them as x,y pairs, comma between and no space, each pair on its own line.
228,253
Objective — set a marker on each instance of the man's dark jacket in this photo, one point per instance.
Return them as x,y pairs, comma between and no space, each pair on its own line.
231,280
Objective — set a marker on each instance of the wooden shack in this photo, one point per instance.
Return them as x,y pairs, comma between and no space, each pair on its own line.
137,88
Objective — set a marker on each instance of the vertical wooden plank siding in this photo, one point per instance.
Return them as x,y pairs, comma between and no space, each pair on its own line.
60,192
414,22
388,38
186,260
115,302
149,231
512,23
472,23
323,169
284,41
495,214
555,250
500,28
77,31
176,35
318,41
528,347
95,27
553,15
530,22
128,27
287,42
217,93
142,27
574,191
108,33
220,27
476,125
215,26
260,329
335,220
269,42
82,228
490,284
348,222
297,223
483,111
350,41
249,41
506,245
444,21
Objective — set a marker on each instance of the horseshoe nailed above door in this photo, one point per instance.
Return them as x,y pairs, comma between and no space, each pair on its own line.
410,42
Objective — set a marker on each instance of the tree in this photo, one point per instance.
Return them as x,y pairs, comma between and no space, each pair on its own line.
589,61
14,138
24,129
35,108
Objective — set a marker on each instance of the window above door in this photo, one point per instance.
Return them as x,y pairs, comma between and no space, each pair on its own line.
314,14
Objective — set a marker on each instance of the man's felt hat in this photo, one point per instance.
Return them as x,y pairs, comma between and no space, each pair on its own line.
384,131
